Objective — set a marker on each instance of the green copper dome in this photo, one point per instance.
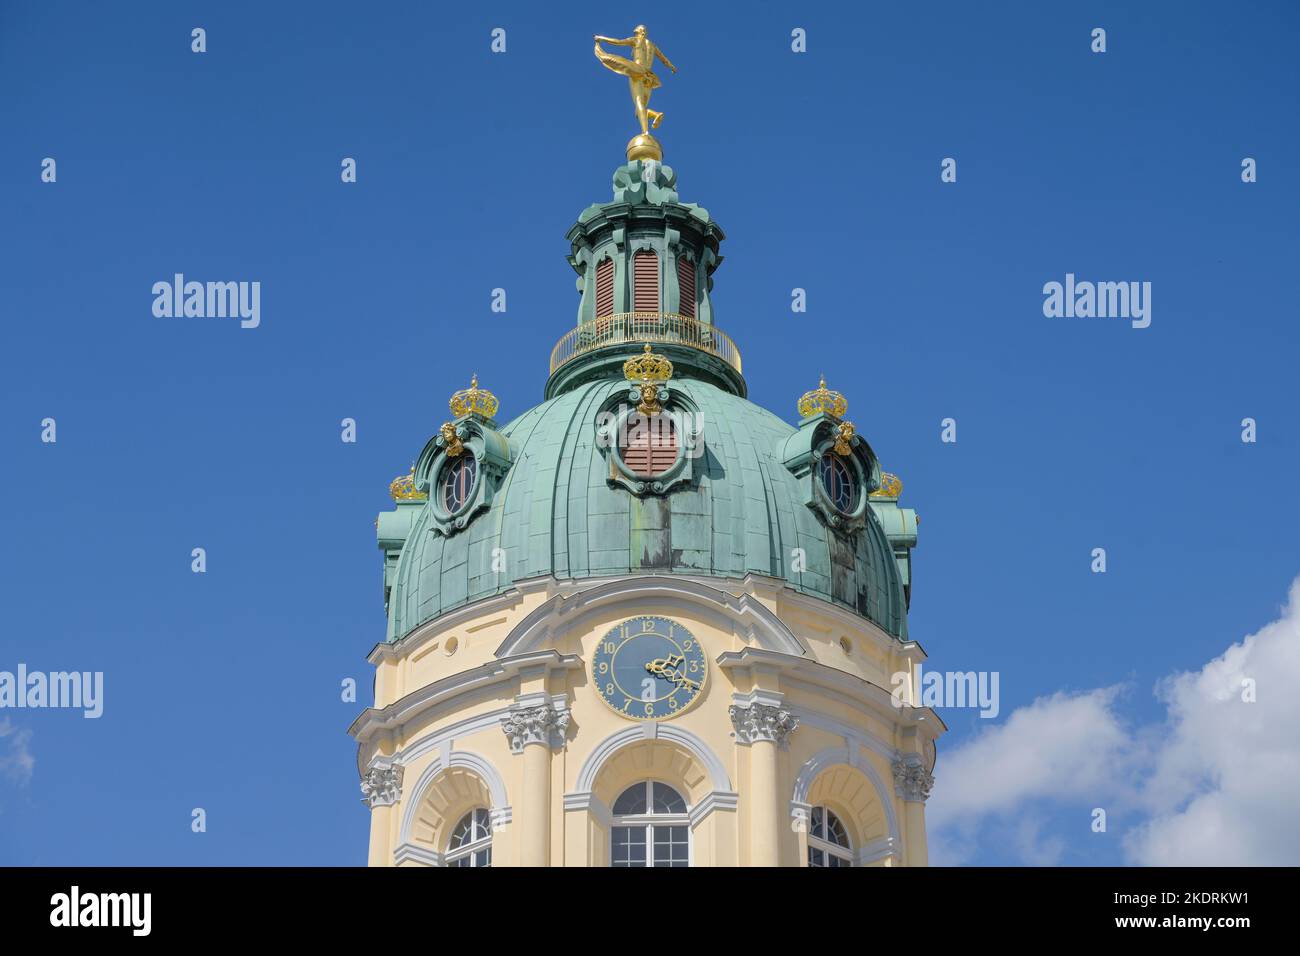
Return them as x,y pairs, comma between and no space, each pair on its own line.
550,494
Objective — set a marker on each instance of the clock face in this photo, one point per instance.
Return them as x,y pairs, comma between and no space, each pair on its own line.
649,668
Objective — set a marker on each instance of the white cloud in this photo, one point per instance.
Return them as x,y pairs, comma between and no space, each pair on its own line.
1218,783
1226,783
16,760
1059,748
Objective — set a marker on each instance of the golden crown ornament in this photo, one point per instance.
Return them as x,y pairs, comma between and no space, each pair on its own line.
473,400
890,487
822,400
403,488
648,372
648,367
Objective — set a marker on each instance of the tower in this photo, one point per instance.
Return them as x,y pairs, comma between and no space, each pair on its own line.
646,622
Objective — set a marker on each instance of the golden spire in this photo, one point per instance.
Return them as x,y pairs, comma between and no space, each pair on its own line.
402,488
822,400
642,80
478,401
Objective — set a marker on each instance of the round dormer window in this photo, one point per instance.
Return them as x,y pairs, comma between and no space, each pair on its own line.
837,481
457,482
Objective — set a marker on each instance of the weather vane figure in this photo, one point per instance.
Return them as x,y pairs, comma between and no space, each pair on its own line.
642,80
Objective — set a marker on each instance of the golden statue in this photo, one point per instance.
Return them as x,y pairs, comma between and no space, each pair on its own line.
642,79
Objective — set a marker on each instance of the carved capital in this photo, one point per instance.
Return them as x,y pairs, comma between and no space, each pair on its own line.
381,786
912,781
754,722
540,724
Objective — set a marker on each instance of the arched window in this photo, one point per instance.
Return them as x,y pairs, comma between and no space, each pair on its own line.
649,445
686,283
458,481
837,481
471,840
645,282
651,827
828,840
604,288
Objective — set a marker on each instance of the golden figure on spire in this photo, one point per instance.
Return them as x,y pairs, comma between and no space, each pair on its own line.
642,79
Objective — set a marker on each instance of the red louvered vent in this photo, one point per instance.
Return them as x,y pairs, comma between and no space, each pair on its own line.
651,446
645,282
686,281
605,288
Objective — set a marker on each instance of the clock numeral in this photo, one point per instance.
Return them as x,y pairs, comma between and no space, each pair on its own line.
602,668
649,709
609,690
609,647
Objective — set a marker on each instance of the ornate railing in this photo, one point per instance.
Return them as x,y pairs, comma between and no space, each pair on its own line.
629,328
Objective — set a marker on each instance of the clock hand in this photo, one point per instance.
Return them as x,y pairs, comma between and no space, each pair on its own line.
665,667
660,667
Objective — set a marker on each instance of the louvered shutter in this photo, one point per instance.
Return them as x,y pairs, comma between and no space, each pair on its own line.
605,288
651,447
645,282
686,282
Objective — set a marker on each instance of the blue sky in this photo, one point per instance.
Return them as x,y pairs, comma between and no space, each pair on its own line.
924,302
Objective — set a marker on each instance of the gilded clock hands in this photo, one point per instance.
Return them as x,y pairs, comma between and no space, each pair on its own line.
666,667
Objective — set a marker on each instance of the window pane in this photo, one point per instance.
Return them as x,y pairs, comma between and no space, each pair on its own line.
816,857
818,827
628,846
837,482
835,831
457,481
668,800
631,801
671,846
461,834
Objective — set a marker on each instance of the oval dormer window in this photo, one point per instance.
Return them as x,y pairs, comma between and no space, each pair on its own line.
838,483
458,481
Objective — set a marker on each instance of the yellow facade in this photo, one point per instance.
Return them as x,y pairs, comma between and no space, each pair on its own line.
492,708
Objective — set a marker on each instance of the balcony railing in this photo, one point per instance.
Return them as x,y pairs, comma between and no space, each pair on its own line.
630,328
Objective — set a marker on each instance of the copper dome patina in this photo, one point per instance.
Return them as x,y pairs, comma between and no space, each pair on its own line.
554,499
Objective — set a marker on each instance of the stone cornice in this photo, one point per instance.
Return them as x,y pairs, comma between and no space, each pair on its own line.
414,705
759,585
744,613
413,852
854,689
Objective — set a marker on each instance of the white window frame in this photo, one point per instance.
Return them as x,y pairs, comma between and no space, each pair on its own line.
451,857
649,821
844,853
